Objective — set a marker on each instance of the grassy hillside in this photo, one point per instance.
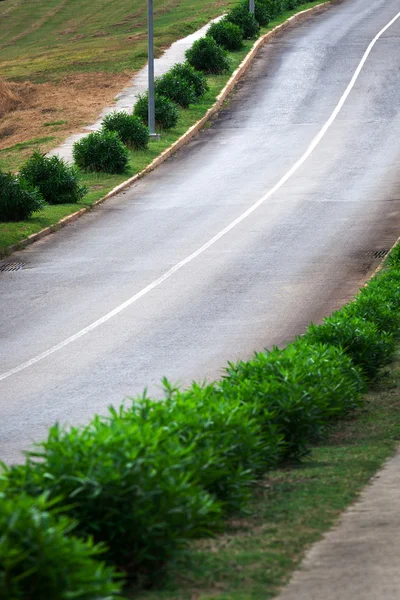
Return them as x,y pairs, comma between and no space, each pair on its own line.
67,59
45,39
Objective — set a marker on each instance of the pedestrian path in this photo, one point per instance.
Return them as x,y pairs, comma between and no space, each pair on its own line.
360,558
126,99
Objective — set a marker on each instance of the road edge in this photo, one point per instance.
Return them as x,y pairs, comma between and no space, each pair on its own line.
184,139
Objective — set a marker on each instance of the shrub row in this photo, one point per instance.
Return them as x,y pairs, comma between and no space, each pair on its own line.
152,475
50,180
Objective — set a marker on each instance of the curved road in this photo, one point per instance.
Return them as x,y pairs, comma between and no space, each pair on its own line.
304,251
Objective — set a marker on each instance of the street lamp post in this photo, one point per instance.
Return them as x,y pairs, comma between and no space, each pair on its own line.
151,114
252,7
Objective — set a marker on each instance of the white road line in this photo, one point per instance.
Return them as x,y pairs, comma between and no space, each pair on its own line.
219,235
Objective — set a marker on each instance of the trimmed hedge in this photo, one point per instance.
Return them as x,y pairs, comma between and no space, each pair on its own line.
369,348
226,34
56,180
166,111
239,15
131,130
261,11
18,200
101,151
176,88
127,484
298,390
194,78
205,55
40,559
229,447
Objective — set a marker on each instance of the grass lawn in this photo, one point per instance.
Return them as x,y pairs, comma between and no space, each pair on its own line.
12,157
291,510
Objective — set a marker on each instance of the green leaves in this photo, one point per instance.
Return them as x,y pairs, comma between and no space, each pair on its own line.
166,111
18,200
226,34
297,390
127,483
56,181
40,558
194,78
239,15
130,129
176,88
101,151
207,56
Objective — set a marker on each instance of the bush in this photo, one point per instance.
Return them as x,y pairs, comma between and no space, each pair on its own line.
176,88
127,484
372,305
393,259
240,16
57,181
194,78
166,111
101,151
228,447
131,130
369,348
226,34
39,558
297,389
17,199
273,7
205,55
261,11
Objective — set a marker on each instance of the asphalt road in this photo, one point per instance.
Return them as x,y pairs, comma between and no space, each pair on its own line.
303,252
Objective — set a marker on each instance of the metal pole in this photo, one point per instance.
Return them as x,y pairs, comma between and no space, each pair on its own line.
251,7
152,119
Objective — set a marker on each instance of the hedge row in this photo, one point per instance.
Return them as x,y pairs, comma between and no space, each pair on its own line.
153,475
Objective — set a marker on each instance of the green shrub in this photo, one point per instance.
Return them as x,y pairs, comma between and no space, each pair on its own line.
226,34
205,55
17,199
297,389
386,285
127,484
261,11
57,181
132,131
393,259
372,305
292,4
273,7
176,88
40,559
166,111
101,151
228,447
194,78
240,16
369,348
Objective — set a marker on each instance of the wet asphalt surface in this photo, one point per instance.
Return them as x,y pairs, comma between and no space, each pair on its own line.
301,254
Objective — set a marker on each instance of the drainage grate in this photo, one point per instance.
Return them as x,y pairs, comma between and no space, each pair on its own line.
377,253
14,266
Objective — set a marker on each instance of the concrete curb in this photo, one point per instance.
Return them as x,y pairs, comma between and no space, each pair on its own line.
185,138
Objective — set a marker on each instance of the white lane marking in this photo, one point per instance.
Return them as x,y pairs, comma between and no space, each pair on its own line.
219,235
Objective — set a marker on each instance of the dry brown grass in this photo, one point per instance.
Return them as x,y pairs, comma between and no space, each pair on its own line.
9,100
77,100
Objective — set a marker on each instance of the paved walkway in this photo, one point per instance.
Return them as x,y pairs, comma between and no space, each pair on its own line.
126,99
360,558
